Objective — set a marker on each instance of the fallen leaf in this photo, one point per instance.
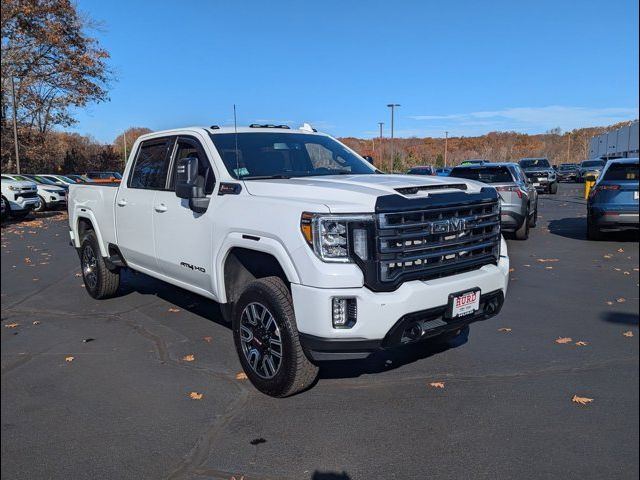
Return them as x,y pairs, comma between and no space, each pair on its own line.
36,322
504,329
626,273
621,300
581,400
27,260
207,339
563,340
69,359
582,344
188,358
609,302
78,274
512,270
527,265
11,325
174,310
437,384
628,333
608,255
241,376
196,396
621,250
548,260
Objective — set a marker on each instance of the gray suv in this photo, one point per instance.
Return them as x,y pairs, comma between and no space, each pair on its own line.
541,174
519,197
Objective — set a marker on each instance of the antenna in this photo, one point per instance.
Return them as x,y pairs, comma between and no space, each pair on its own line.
235,130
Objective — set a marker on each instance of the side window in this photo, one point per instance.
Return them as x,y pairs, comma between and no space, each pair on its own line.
188,147
152,163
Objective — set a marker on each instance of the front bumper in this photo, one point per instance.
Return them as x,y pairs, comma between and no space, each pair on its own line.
379,313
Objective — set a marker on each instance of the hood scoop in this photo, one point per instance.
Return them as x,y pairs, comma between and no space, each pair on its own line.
424,188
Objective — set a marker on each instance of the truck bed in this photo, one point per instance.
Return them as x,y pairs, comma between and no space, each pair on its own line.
94,202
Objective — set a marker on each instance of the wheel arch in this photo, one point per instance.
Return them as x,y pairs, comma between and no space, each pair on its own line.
84,223
243,262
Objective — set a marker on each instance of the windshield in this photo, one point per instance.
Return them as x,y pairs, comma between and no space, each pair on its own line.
484,175
420,171
284,155
42,180
534,163
568,167
622,171
592,163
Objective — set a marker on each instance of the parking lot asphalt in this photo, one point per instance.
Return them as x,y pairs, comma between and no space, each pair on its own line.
103,389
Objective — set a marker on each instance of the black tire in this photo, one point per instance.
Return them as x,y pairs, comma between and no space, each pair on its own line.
593,232
226,311
453,336
99,281
533,219
294,372
553,188
522,233
42,207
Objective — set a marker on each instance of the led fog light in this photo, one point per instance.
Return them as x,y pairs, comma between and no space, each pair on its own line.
344,312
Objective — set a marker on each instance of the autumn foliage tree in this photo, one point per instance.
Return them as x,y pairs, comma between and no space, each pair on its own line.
50,65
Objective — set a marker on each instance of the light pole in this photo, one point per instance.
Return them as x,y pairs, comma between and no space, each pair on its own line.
380,124
392,106
446,140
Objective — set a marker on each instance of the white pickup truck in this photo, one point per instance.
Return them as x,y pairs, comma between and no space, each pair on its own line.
311,252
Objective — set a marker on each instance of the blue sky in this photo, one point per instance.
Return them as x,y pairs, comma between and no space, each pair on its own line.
467,67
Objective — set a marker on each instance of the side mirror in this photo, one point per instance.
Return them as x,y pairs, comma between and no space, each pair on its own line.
591,178
187,185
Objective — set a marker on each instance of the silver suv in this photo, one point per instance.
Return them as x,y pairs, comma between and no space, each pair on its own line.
518,196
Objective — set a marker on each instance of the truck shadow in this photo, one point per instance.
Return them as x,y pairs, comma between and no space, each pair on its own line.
391,359
620,317
208,309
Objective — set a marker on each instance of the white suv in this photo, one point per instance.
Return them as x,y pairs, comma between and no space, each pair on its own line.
312,253
19,198
49,194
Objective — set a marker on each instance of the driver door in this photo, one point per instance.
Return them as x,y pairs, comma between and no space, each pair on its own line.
183,238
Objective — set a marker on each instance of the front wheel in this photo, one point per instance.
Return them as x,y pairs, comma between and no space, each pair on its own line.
99,281
267,341
42,206
553,188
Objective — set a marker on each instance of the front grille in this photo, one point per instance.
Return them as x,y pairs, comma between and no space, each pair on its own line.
537,174
437,242
26,195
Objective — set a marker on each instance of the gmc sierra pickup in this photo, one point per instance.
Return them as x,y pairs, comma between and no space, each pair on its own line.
312,253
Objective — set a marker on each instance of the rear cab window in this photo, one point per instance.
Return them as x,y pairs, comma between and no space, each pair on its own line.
151,166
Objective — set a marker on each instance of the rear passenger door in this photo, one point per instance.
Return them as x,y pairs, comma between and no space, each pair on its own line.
183,238
135,201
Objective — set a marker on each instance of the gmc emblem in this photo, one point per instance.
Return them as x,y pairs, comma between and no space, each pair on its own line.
448,226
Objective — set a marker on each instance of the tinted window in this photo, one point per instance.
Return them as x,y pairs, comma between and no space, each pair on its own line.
622,171
593,163
534,163
484,175
150,169
568,167
286,155
420,171
192,148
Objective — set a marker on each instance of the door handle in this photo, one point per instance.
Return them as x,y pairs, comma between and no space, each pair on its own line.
160,208
122,202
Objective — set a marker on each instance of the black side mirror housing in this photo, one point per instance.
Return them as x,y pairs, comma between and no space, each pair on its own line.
187,185
591,178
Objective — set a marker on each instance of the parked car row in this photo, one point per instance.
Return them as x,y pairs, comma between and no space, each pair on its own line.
612,203
24,193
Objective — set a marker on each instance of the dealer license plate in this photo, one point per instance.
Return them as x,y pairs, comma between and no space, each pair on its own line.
635,195
542,179
464,304
536,184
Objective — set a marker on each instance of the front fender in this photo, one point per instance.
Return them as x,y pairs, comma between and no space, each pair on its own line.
264,244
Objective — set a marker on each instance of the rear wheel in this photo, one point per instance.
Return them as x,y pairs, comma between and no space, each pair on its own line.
533,219
267,341
99,281
522,233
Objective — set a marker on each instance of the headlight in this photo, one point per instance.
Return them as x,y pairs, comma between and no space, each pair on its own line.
51,190
333,237
15,189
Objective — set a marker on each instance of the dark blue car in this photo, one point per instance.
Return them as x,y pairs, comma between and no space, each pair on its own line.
613,201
